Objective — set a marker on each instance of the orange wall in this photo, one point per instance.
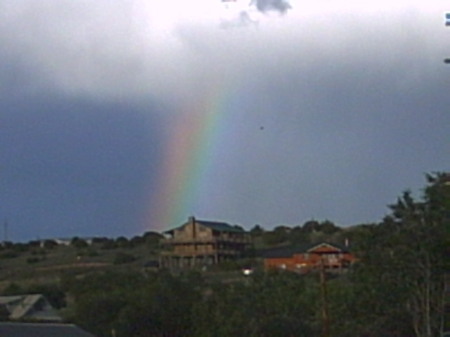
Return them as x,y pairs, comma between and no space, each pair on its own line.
304,261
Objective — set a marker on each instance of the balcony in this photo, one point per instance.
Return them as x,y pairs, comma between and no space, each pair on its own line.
206,240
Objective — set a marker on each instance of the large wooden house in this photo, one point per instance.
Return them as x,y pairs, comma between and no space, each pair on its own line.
200,243
302,259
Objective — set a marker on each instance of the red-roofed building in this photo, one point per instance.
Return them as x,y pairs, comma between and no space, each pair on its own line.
303,259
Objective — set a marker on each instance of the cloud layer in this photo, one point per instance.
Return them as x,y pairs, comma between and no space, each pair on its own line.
335,107
137,49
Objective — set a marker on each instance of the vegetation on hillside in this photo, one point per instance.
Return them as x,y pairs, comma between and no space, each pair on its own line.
396,289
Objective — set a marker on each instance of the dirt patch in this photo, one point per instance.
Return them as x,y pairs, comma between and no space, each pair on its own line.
75,265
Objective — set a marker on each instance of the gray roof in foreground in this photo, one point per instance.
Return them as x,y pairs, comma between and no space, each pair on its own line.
41,330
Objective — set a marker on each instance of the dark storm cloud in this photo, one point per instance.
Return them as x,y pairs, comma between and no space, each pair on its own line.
272,5
71,167
336,139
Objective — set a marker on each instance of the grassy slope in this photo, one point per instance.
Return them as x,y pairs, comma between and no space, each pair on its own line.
40,265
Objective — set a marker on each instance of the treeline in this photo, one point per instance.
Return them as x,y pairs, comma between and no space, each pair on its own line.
310,232
37,251
148,238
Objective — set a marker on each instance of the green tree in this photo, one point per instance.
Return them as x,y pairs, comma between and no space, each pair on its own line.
49,244
78,243
277,236
51,291
402,265
298,236
123,242
122,258
152,238
135,305
274,304
256,231
311,226
328,227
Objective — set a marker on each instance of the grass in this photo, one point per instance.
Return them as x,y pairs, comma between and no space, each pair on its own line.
41,265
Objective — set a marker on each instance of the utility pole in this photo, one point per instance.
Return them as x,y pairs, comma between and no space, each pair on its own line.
5,231
324,293
447,24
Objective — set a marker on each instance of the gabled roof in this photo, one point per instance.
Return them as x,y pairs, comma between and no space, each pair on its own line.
214,225
333,245
33,306
26,305
289,251
41,330
284,251
7,300
219,226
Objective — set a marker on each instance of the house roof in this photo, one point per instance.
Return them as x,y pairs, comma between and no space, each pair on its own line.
27,303
284,251
41,330
214,225
340,247
289,251
6,300
219,226
21,306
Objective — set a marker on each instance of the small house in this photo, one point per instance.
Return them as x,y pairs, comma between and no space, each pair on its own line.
329,256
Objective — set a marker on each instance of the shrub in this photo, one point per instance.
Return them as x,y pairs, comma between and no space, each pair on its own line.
109,244
39,251
9,254
32,260
122,258
50,244
78,243
89,252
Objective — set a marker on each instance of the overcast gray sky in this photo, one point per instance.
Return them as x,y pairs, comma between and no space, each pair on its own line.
119,117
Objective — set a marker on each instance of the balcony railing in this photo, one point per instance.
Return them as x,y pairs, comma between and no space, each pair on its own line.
192,253
205,240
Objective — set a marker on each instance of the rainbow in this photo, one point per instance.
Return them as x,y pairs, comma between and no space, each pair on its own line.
188,159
